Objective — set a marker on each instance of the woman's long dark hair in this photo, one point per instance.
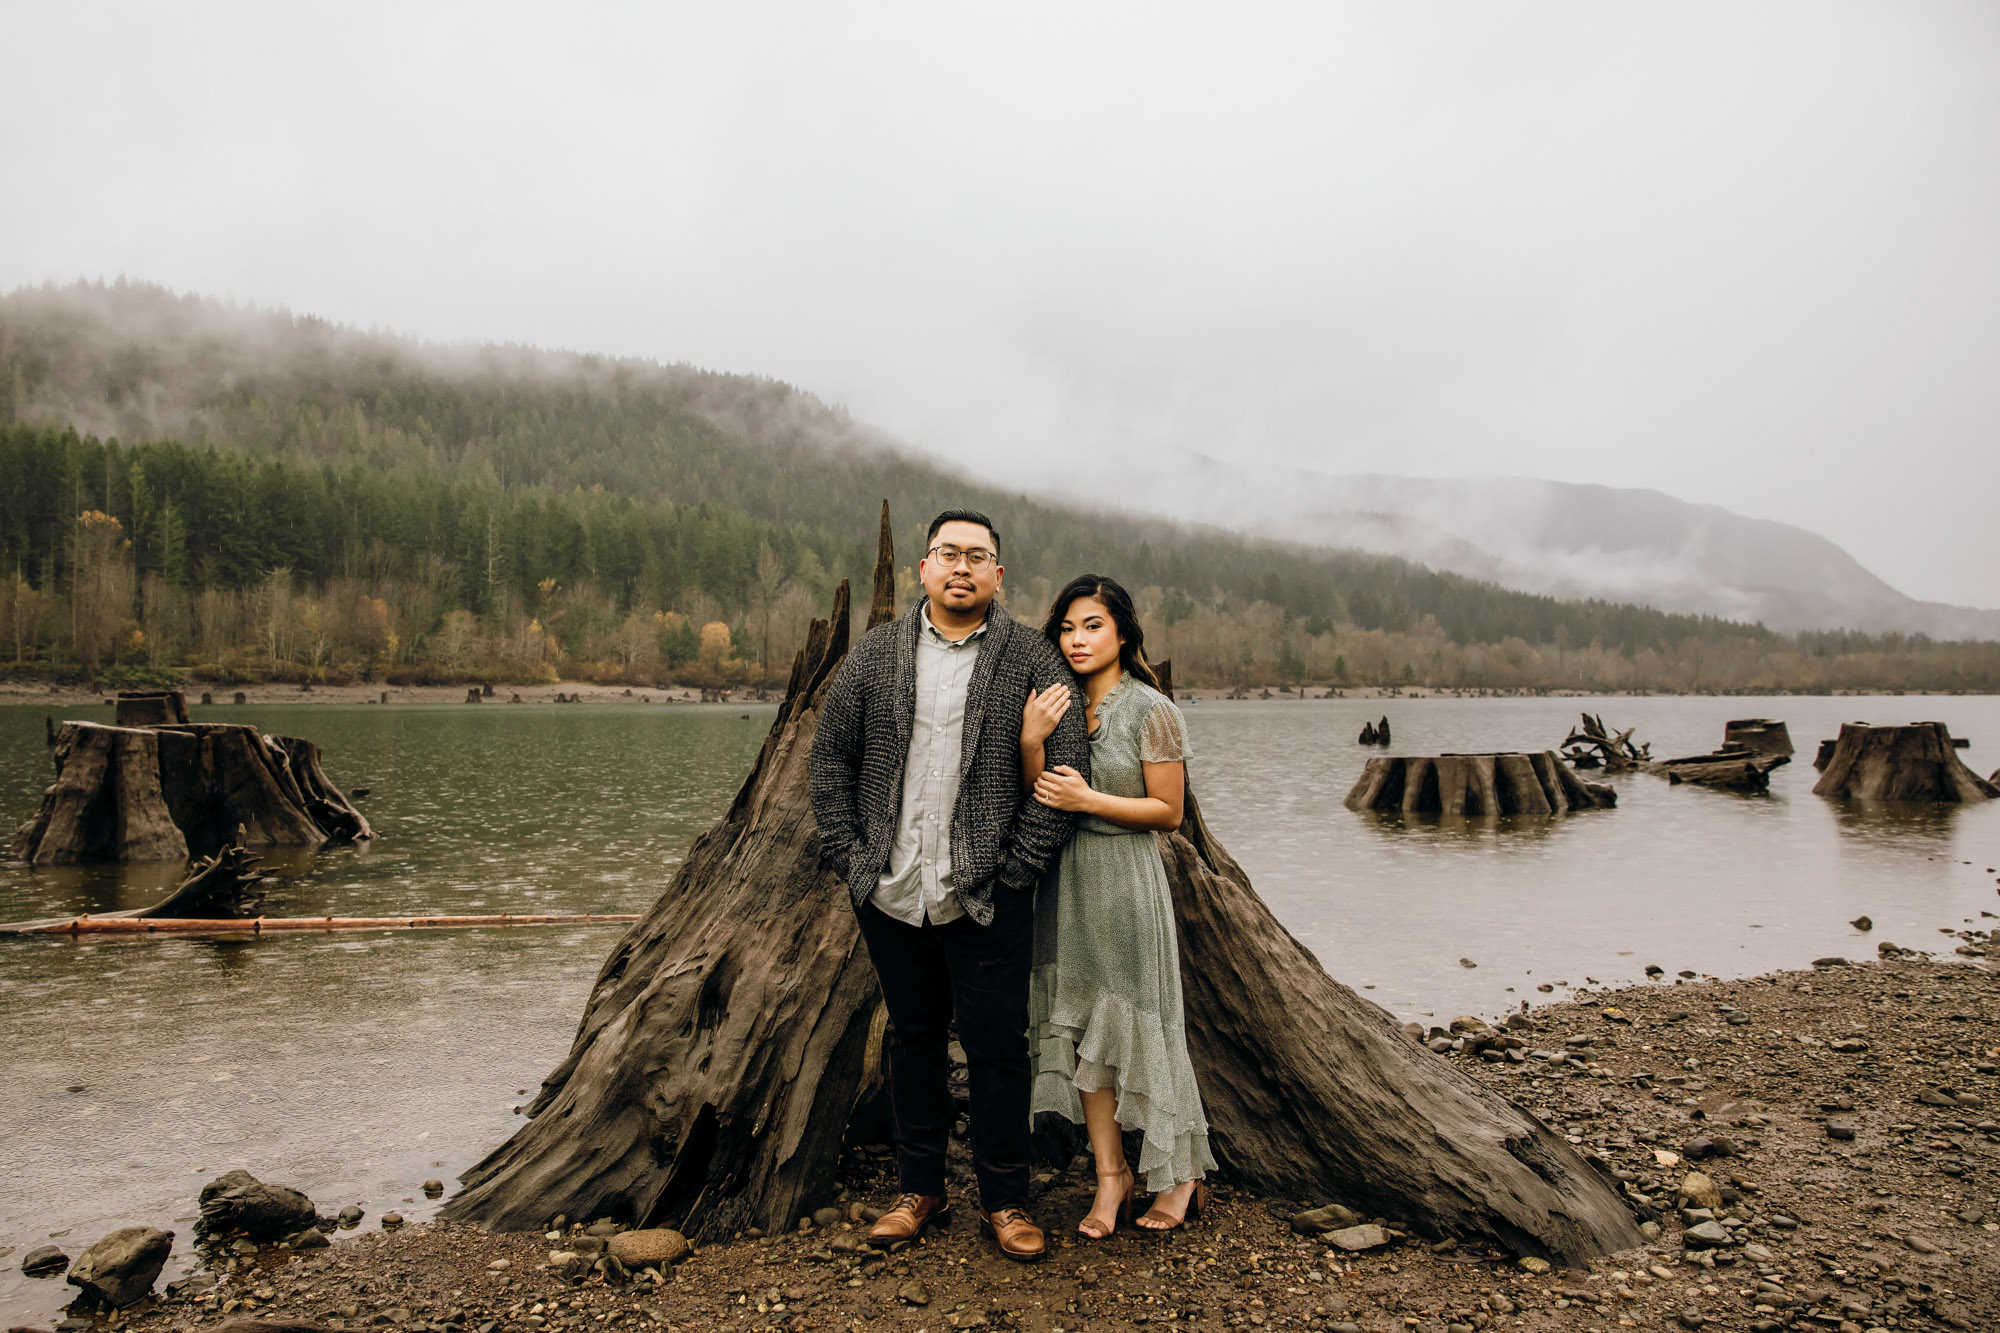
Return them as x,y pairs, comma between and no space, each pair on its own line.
1132,652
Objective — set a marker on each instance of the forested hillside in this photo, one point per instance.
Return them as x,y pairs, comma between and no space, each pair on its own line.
190,484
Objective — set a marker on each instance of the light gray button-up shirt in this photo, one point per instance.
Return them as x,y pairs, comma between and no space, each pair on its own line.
916,885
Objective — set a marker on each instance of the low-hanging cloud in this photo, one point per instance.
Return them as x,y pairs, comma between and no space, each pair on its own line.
1740,254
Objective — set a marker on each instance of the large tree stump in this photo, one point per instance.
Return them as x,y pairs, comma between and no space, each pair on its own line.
165,793
1476,784
106,803
1313,1093
730,1035
1918,762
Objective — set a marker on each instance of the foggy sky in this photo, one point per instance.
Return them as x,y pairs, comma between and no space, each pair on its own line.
1741,253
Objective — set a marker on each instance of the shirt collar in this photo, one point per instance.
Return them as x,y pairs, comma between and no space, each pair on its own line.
932,630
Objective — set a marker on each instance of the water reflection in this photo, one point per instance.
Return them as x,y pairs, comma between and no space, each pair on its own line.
1896,825
1495,832
1728,793
96,889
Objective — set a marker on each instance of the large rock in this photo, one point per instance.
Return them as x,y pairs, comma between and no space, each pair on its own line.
120,1269
238,1201
1706,1236
654,1247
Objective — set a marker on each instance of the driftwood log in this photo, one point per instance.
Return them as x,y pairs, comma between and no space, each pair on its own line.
168,792
1918,762
112,924
1476,784
1593,740
221,895
1736,770
225,885
733,1031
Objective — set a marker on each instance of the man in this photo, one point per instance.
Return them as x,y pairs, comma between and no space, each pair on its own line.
916,784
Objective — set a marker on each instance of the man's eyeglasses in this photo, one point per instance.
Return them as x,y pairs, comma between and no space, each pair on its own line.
975,557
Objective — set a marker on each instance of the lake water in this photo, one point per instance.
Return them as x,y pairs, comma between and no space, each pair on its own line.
354,1066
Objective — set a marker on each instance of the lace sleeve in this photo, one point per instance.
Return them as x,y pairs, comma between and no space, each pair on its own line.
1164,739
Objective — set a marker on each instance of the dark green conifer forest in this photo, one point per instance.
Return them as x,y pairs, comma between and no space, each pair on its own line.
188,486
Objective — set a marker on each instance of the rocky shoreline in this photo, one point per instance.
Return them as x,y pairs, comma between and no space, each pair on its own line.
1810,1150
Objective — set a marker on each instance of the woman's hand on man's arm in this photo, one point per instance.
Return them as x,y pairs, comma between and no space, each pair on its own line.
1039,718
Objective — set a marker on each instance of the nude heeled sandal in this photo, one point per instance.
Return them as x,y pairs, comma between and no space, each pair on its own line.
1196,1202
1087,1228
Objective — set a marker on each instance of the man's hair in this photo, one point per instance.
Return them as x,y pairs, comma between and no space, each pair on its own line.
963,516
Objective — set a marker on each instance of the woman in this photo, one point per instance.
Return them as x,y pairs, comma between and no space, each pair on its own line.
1105,995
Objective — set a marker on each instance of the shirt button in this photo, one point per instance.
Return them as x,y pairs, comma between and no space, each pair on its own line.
938,729
934,772
930,817
928,861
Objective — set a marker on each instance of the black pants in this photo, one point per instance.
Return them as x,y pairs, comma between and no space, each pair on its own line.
980,972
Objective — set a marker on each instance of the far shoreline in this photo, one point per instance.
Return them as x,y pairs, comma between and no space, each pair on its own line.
33,693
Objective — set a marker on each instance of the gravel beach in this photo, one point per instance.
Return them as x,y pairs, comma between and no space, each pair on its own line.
1816,1149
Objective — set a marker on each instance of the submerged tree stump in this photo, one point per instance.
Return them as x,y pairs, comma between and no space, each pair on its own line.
1751,748
734,1030
334,814
165,793
1761,736
106,803
1918,762
150,708
1476,784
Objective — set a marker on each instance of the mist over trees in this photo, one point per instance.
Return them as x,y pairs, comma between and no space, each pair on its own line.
303,501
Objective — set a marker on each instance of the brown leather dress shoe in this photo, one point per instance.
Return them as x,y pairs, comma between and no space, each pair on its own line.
908,1218
1018,1236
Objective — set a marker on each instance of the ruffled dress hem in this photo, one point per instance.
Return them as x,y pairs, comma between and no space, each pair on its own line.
1111,1044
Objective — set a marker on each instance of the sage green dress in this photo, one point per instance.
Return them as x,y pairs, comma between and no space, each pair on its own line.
1104,999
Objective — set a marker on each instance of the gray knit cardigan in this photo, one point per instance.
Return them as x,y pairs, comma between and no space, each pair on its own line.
998,831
